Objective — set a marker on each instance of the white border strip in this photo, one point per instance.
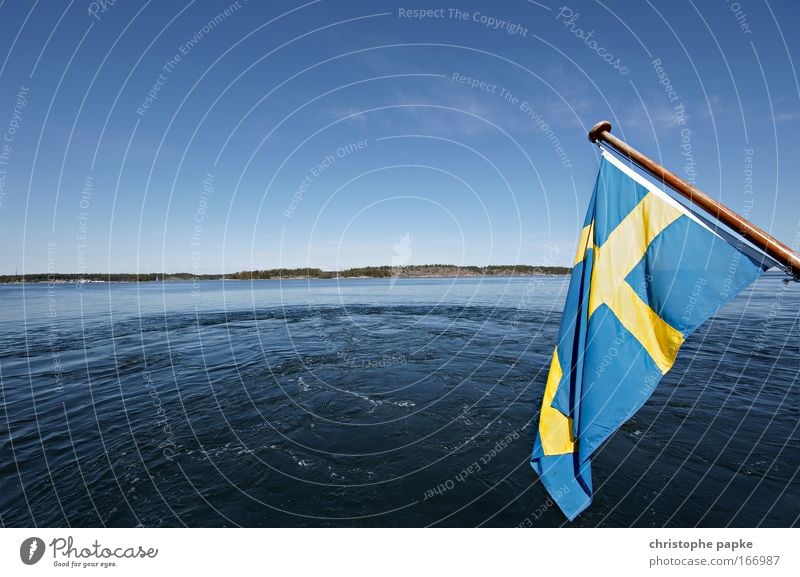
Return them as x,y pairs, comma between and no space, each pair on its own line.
388,552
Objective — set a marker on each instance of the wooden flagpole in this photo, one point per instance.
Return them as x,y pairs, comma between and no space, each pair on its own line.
764,241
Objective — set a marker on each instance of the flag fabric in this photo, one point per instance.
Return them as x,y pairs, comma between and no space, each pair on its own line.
648,272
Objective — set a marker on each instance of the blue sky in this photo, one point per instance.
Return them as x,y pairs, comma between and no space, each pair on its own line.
319,134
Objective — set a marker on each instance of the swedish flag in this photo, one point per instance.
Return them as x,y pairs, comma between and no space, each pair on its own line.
648,272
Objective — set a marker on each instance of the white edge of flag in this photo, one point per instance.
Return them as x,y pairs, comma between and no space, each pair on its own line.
629,172
722,234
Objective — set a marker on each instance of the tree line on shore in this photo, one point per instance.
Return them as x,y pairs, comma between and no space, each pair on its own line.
410,271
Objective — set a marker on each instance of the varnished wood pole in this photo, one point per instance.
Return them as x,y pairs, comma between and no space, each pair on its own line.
770,245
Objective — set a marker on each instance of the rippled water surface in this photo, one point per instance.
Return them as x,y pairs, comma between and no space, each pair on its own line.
370,402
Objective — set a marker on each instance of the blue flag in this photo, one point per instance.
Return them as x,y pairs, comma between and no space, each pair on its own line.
648,272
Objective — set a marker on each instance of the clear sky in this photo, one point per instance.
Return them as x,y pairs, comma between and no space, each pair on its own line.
218,136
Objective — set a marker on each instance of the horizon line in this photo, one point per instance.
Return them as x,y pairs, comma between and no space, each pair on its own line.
302,268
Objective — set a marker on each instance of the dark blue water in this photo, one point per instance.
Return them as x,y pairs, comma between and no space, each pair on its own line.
371,403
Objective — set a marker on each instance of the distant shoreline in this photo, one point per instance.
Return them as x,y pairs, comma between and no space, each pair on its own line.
412,271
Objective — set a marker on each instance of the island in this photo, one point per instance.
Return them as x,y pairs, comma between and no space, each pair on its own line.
410,271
